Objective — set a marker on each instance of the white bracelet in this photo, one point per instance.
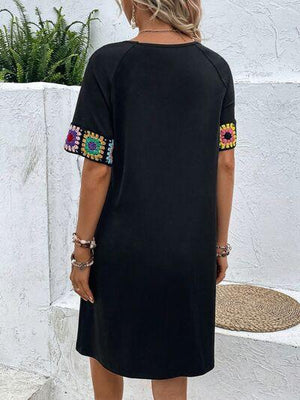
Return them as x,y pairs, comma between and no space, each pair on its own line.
82,264
225,250
83,243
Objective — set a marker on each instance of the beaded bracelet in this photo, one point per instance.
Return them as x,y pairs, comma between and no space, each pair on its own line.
82,264
83,243
226,250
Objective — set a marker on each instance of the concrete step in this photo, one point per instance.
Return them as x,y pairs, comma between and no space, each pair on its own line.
249,366
253,366
22,385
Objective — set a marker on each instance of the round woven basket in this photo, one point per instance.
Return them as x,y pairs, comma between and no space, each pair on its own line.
255,309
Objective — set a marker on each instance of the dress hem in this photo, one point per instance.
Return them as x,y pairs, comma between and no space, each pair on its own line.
143,376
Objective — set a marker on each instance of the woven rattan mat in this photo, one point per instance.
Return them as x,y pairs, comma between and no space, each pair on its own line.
255,309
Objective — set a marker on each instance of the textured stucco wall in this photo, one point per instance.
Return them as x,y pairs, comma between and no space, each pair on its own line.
16,384
265,220
63,185
24,270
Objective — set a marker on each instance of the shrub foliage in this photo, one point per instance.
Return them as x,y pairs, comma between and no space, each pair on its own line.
48,51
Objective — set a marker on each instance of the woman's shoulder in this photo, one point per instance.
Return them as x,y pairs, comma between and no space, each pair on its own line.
111,51
213,54
220,62
105,59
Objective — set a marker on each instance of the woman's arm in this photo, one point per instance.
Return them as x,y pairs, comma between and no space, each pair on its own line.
94,186
225,183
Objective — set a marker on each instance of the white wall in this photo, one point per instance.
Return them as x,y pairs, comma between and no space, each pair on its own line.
24,269
265,221
39,187
63,184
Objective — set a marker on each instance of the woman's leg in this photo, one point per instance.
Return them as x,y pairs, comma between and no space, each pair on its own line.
107,385
170,389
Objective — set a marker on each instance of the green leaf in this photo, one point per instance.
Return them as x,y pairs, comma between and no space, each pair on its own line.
20,73
44,50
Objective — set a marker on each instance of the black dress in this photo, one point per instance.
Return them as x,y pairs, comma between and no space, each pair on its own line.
158,114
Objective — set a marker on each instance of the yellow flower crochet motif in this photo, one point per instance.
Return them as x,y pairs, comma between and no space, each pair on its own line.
227,136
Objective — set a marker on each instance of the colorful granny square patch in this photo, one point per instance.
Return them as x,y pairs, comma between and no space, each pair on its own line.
73,139
89,144
93,146
227,136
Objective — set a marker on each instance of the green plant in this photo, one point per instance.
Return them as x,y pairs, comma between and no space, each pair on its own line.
48,51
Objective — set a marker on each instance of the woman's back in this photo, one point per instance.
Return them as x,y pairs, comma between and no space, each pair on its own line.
158,114
160,106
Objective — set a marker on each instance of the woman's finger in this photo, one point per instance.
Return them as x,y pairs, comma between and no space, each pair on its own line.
88,291
221,270
80,291
84,287
220,278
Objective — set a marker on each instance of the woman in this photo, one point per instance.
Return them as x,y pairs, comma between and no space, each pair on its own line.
154,121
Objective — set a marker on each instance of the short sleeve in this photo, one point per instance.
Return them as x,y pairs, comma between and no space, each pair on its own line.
228,132
90,133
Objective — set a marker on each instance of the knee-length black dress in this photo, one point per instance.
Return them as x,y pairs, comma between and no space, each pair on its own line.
158,115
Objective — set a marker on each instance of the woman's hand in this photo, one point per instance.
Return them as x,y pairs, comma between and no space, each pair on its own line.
222,266
80,278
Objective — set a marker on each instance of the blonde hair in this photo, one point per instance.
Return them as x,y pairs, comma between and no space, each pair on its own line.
183,15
